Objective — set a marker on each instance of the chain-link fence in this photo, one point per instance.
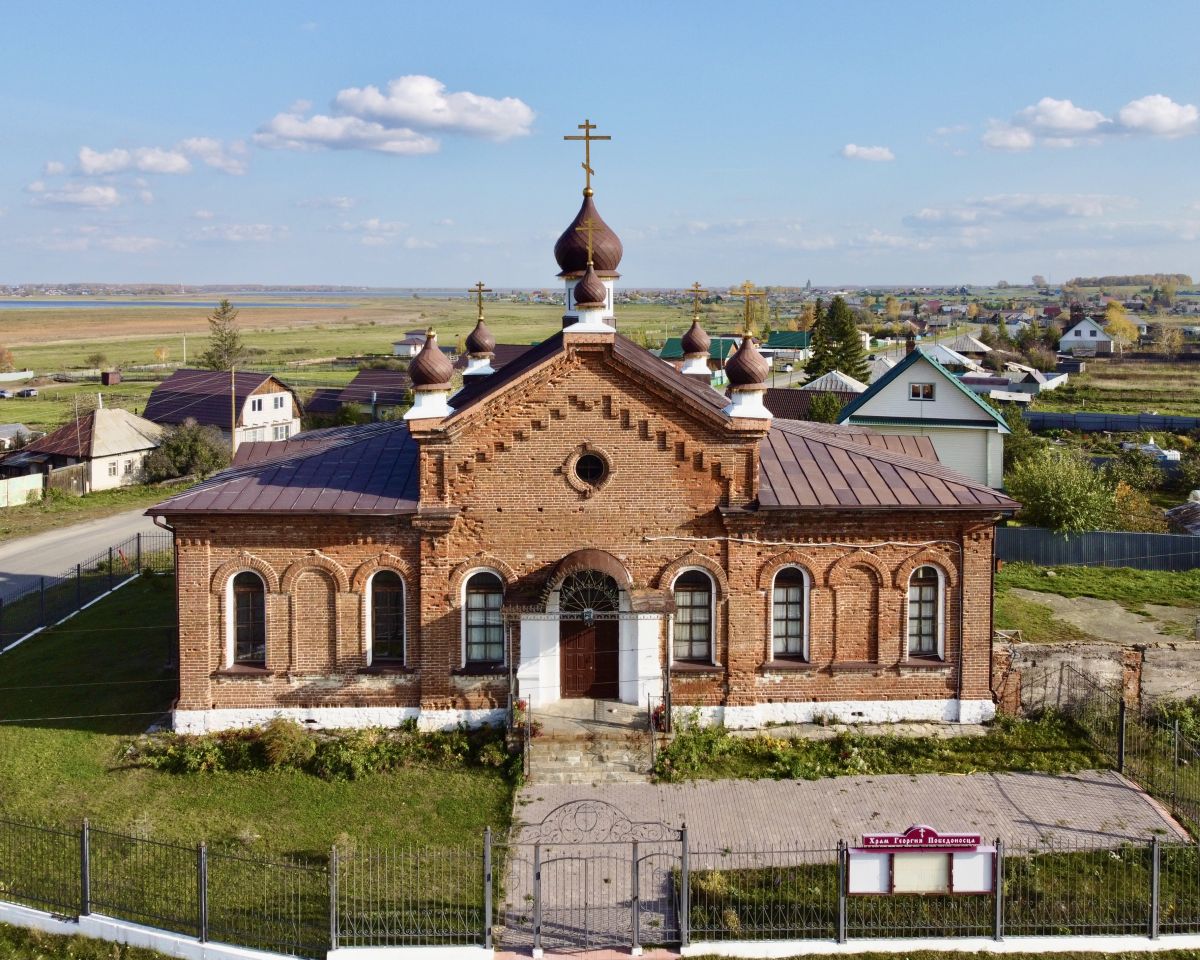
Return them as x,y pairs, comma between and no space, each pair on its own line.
46,600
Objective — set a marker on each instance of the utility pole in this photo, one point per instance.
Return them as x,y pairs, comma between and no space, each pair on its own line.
185,349
232,413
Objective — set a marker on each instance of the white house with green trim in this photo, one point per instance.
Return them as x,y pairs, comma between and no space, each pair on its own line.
920,397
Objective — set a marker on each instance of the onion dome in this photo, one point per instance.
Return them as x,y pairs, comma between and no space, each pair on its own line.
695,341
571,250
747,368
430,368
480,340
590,291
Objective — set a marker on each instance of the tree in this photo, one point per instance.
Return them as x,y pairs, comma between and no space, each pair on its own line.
162,353
820,357
1021,442
891,308
187,450
847,354
1118,325
1137,470
225,348
1169,341
1060,490
95,360
808,313
972,311
1039,281
824,408
7,363
1133,511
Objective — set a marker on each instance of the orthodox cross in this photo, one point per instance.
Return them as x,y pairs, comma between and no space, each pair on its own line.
586,227
587,127
479,290
696,290
747,290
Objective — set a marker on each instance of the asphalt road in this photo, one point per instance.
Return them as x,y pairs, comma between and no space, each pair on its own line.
23,562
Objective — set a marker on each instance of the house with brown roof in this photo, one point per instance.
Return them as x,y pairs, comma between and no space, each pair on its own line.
113,443
254,406
586,522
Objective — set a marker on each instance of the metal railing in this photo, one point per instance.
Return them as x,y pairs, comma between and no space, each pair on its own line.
48,600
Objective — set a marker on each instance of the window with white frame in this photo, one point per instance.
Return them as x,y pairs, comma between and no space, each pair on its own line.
256,404
693,628
112,468
924,612
249,619
128,468
920,391
281,432
484,621
789,603
387,618
277,401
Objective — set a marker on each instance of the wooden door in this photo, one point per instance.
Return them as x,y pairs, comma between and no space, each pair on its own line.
589,659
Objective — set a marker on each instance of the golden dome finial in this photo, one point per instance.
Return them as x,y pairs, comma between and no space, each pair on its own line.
587,127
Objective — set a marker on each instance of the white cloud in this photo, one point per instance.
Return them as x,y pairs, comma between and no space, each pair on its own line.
216,154
424,103
416,243
1005,136
243,233
1159,115
131,244
292,131
145,159
146,196
54,168
1060,118
326,203
75,195
852,151
1020,206
202,215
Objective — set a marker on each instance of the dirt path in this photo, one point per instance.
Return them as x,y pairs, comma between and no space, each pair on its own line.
1108,621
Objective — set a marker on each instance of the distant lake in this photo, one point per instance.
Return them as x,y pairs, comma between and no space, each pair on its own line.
19,303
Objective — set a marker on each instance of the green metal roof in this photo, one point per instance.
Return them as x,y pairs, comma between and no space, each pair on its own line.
718,349
898,370
789,339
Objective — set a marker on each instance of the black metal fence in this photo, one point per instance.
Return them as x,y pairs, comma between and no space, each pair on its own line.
1142,551
43,601
564,895
1114,422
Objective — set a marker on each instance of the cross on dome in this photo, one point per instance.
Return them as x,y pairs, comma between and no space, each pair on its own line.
587,127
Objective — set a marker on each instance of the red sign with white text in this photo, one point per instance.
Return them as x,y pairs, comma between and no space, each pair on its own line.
920,837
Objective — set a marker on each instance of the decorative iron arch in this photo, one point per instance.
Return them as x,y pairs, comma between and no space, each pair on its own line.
594,821
588,590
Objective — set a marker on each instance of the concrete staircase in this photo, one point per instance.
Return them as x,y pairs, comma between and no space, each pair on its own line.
590,742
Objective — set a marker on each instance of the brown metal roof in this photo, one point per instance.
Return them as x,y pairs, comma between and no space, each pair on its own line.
805,468
502,355
794,404
203,396
369,470
99,433
390,388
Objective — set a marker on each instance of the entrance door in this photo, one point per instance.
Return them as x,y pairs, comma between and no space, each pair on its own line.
589,658
588,645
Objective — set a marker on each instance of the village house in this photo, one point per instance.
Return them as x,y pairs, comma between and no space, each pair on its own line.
1085,337
255,406
586,522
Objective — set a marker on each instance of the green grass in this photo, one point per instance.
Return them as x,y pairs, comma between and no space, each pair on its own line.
60,771
1048,744
1127,386
19,944
1130,588
1036,621
61,511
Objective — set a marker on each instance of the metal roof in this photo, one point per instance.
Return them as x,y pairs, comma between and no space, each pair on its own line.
104,432
835,382
203,396
791,403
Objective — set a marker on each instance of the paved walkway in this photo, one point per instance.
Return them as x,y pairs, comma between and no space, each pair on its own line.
1090,808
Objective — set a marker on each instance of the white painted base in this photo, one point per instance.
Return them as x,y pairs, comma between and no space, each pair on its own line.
590,321
748,403
845,711
333,718
695,365
478,367
429,405
132,934
410,953
1030,945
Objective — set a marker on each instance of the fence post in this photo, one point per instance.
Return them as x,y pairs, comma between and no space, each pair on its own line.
998,892
110,569
685,892
487,888
42,602
139,553
841,892
635,902
1121,736
537,900
1155,862
78,585
202,891
85,869
1175,767
333,897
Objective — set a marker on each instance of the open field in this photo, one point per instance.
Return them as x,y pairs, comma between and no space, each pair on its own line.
61,770
1128,386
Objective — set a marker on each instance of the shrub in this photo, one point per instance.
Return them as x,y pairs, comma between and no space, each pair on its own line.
1060,490
1137,469
286,744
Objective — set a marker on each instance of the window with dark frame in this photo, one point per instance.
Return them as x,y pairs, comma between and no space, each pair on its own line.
920,391
249,621
788,603
387,618
591,469
923,613
485,624
693,617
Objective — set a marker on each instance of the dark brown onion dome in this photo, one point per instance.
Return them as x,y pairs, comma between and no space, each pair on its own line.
747,368
430,368
571,250
695,341
590,291
480,340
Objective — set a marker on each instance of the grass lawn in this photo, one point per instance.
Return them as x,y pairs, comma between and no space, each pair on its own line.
31,518
19,944
1051,744
1036,621
1130,588
1127,386
109,669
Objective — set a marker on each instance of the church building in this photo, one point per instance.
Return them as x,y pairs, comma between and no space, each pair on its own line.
585,521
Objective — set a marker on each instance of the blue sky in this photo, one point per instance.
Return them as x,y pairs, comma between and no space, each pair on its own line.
404,144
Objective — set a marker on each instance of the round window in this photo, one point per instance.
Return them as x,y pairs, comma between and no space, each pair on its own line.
591,469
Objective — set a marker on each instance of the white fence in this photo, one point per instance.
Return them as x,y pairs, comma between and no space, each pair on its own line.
18,490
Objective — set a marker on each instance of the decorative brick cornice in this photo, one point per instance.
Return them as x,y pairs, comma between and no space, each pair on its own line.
694,558
244,561
315,561
385,561
836,574
923,557
790,558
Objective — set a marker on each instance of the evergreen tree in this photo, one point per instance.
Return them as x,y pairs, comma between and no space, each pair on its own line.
847,351
820,358
225,348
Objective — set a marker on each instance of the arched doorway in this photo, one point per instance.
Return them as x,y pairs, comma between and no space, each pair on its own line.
589,631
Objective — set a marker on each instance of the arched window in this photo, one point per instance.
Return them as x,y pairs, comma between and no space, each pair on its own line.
693,630
387,618
790,614
924,612
484,623
249,620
